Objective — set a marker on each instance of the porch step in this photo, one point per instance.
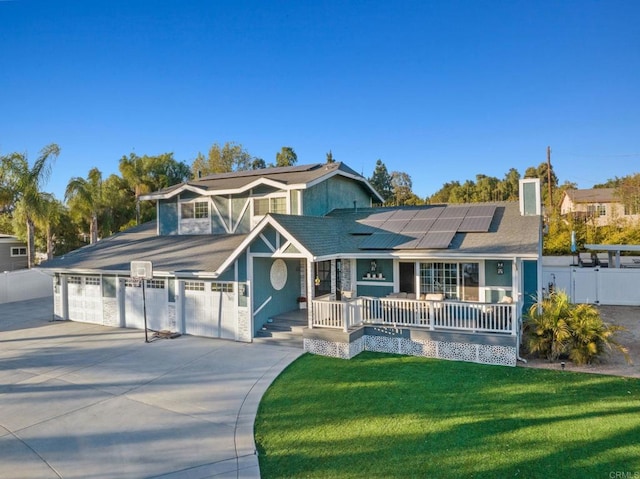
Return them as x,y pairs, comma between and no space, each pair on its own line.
284,330
285,340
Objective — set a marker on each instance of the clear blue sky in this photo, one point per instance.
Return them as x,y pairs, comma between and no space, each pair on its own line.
442,90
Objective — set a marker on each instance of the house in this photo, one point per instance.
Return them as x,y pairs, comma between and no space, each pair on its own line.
231,251
13,253
600,205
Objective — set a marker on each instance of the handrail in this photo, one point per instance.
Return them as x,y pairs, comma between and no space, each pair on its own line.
434,315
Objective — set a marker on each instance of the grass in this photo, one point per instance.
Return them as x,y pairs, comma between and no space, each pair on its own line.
381,415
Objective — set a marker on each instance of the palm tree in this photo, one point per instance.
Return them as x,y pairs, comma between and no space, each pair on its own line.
52,214
86,196
134,172
25,182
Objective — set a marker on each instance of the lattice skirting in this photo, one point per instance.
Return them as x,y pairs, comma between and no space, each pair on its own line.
475,353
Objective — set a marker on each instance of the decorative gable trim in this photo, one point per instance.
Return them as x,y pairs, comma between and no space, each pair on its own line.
278,250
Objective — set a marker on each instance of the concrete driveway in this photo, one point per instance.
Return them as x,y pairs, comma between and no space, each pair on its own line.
86,401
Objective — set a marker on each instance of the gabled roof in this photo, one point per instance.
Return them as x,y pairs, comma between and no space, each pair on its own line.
187,254
593,195
349,232
290,177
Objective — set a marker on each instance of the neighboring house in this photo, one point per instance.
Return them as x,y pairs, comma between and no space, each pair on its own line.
13,253
231,251
600,205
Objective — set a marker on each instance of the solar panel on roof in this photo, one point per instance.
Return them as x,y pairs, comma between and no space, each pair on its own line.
431,212
408,243
361,229
481,210
404,214
446,224
394,226
419,225
380,241
440,240
454,212
475,224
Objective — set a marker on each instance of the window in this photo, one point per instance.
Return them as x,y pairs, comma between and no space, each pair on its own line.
455,280
222,287
155,283
194,210
633,207
193,286
74,280
18,251
596,210
322,279
262,206
92,280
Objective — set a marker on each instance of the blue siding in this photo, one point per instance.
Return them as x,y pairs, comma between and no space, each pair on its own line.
336,192
530,292
168,217
491,276
244,222
281,301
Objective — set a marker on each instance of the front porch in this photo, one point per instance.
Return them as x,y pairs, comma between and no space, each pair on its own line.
476,332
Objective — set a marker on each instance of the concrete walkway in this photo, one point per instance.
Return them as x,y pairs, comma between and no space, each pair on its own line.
86,401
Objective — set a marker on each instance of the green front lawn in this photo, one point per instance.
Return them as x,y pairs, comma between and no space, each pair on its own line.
381,415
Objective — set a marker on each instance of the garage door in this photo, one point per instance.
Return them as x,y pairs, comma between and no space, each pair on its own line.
157,304
209,309
85,299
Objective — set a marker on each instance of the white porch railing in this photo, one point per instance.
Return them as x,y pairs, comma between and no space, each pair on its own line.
433,315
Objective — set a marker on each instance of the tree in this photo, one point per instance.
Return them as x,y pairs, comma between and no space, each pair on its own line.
628,191
555,328
401,185
286,157
541,172
258,164
85,196
511,185
25,183
134,173
330,158
221,159
164,171
381,181
53,213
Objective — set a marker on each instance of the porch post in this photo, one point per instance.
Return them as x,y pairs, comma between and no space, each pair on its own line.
310,298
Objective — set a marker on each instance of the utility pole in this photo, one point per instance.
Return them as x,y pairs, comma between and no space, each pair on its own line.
549,176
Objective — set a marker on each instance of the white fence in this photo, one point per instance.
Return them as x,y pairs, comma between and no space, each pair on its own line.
433,315
606,286
24,284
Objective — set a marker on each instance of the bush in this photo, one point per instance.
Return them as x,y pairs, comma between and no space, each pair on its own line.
556,328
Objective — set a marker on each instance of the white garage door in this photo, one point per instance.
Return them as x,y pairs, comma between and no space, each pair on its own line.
157,304
209,309
85,299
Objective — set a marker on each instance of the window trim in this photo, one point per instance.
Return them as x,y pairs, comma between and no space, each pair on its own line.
19,253
194,203
271,197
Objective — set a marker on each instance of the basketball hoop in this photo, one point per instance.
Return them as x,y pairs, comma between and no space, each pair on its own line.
141,271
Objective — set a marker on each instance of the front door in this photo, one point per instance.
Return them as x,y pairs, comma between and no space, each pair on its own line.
408,277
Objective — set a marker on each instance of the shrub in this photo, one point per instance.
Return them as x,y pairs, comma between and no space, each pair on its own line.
556,328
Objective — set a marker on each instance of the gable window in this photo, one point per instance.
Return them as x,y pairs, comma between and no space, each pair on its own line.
18,251
194,210
262,206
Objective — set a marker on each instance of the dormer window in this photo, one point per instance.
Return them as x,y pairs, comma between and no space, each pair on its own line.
262,206
268,204
194,210
195,217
